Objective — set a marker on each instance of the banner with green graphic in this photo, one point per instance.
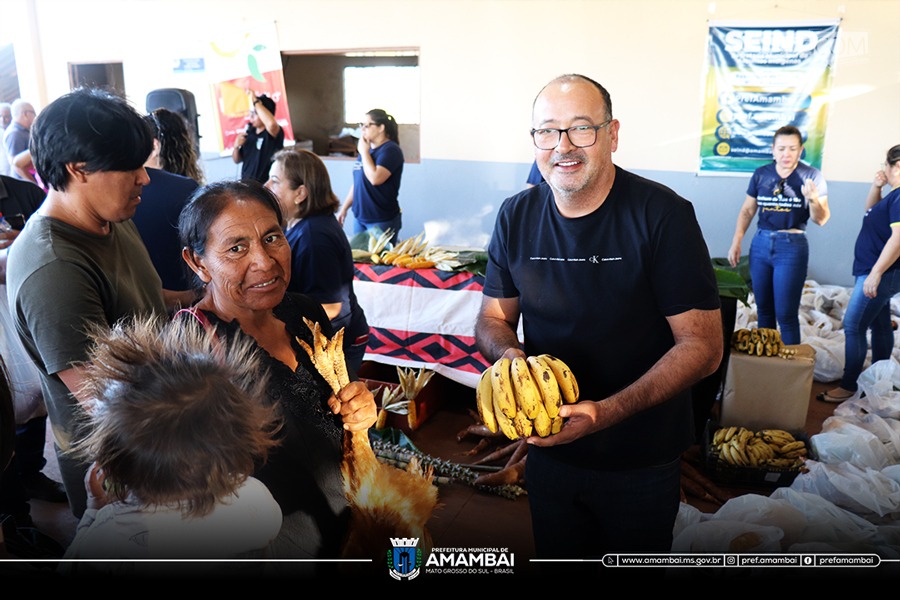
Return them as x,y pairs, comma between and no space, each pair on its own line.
759,78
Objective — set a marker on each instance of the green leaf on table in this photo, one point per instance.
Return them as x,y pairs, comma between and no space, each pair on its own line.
360,241
733,282
473,261
742,268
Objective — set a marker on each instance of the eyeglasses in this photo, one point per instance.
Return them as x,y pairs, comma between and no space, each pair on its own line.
365,125
779,188
580,136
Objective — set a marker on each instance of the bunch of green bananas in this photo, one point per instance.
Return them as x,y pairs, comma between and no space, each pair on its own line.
522,396
761,342
765,448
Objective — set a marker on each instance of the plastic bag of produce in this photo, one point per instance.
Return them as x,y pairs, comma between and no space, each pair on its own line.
826,522
862,491
763,510
719,536
887,430
829,347
687,515
879,383
845,442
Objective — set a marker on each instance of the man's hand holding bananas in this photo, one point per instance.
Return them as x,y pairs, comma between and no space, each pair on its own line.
523,396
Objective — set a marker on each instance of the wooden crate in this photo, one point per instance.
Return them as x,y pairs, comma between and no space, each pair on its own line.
428,402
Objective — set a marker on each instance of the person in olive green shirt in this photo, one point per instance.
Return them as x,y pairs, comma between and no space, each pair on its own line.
79,262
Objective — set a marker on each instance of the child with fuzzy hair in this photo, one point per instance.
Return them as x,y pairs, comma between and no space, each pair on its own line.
177,424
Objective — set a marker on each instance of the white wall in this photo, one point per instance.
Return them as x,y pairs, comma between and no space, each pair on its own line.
482,63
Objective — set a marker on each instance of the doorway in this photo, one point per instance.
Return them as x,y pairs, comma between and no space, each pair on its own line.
108,76
317,85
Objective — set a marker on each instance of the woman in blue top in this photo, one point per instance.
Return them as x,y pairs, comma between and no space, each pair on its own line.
787,194
877,273
376,176
321,258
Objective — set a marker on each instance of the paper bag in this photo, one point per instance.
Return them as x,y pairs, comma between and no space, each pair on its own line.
768,392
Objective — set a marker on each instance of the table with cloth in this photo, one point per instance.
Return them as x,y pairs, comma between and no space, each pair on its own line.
422,318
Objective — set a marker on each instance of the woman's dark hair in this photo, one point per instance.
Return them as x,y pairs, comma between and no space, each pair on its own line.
788,130
380,117
180,416
177,152
91,126
209,201
302,167
893,155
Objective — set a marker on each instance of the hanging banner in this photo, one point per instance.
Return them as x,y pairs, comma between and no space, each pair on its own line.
760,78
241,63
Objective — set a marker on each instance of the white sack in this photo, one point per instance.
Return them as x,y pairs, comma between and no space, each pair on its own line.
861,491
845,442
764,510
720,536
826,522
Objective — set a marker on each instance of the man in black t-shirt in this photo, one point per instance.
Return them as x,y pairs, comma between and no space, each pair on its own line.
609,272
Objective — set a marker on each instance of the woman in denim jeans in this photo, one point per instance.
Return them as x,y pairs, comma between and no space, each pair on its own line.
787,194
877,274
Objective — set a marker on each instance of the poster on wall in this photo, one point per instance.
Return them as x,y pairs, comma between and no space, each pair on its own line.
761,77
242,64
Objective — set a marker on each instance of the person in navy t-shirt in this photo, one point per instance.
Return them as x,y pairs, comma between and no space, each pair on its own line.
374,195
321,258
877,274
787,193
534,176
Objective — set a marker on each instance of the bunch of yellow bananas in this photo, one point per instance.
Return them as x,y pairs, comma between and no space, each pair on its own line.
522,396
765,448
761,342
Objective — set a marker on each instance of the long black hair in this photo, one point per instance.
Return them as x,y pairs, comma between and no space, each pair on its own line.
380,117
177,153
91,126
893,155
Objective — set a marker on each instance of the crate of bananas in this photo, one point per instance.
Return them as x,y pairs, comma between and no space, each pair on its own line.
742,456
